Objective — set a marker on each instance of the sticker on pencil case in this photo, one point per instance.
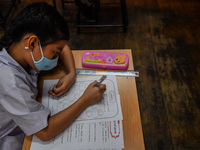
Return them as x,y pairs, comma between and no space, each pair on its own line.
105,60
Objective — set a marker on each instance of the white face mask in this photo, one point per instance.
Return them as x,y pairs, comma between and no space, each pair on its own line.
44,63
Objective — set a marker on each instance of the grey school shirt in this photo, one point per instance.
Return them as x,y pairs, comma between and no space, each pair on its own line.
19,111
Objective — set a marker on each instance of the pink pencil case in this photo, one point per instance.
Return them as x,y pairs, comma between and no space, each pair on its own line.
105,60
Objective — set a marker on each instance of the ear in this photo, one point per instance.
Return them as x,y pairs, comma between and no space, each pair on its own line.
32,42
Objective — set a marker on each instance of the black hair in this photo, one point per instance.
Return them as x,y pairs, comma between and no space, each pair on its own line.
40,19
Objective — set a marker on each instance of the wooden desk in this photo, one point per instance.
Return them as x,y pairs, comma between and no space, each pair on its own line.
133,136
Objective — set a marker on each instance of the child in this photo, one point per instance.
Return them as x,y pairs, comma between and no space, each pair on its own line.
34,42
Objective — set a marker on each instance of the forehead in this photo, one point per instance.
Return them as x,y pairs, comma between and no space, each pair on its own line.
58,44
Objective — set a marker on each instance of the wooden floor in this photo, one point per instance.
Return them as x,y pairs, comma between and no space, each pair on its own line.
164,36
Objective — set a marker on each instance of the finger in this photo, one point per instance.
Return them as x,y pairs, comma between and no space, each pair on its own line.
102,91
51,92
60,82
94,83
55,91
102,87
57,88
58,94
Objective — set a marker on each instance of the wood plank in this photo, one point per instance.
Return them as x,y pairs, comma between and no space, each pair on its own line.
176,53
153,114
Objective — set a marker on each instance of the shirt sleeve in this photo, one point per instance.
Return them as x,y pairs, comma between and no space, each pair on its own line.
20,102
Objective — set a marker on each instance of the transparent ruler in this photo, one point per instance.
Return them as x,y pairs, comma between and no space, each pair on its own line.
114,73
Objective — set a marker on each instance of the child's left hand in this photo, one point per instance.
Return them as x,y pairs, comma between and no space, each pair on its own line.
63,85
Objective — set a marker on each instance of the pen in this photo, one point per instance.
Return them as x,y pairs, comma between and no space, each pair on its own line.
101,80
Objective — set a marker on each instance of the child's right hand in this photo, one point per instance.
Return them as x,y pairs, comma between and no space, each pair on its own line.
94,94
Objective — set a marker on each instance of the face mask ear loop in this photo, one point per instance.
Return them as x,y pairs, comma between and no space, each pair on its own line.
40,50
32,56
40,47
31,53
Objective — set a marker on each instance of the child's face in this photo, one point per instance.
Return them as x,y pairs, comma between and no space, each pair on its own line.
50,51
